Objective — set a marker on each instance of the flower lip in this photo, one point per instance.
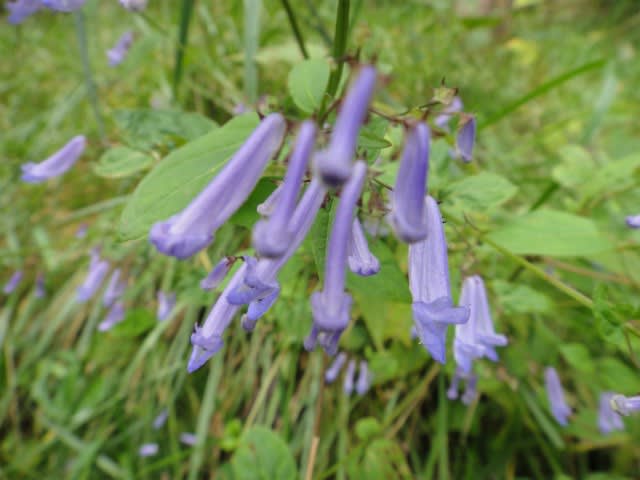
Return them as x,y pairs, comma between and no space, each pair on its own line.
361,261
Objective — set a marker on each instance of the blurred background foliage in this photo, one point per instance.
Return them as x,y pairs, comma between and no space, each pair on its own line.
539,214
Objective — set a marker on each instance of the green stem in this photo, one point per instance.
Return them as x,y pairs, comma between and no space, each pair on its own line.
92,92
443,447
339,46
186,13
294,26
251,40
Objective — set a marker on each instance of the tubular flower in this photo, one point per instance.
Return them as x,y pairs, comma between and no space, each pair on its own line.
559,407
207,340
148,450
609,420
633,221
466,137
40,288
193,229
161,419
333,371
364,378
97,271
361,260
117,54
63,5
259,287
115,316
188,438
625,405
115,288
334,164
267,207
218,273
134,5
470,390
442,120
272,236
81,232
432,306
407,199
21,9
347,386
56,164
166,302
331,307
13,282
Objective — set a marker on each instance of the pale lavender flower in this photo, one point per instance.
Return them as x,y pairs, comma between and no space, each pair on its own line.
470,391
334,164
452,392
193,229
609,420
361,260
466,137
216,276
272,236
81,232
625,405
21,9
115,288
633,221
114,316
331,307
134,5
364,378
442,120
13,282
207,340
117,54
56,164
557,403
267,207
432,306
98,269
148,450
347,386
161,419
63,5
240,108
333,371
188,438
166,302
40,288
407,199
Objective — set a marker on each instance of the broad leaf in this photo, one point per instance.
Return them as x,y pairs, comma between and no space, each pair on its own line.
262,454
121,162
307,82
480,192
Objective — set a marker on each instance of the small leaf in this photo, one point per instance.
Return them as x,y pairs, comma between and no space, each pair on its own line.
262,454
121,162
480,192
577,355
307,83
367,428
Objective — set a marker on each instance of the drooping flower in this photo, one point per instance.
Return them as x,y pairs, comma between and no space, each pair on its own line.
56,164
114,316
40,288
333,371
364,378
166,302
272,236
442,120
608,419
188,438
432,306
349,377
13,282
215,277
161,419
407,199
63,5
334,164
267,207
134,5
21,9
361,260
331,307
625,405
193,229
115,289
117,54
148,450
97,271
557,403
81,232
633,221
466,137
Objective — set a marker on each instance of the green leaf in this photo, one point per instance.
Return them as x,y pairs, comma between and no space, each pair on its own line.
178,178
577,355
247,215
307,83
319,235
136,322
121,162
262,454
517,298
612,177
367,428
550,232
480,192
372,135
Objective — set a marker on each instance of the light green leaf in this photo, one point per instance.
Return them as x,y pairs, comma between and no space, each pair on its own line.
517,298
178,178
480,192
307,83
550,232
577,355
121,162
262,454
613,176
136,322
573,169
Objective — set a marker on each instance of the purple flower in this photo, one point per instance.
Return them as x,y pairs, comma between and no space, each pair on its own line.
335,162
407,199
272,236
161,419
117,54
97,271
13,282
148,450
115,289
361,260
331,307
81,232
608,419
40,288
166,302
466,137
364,378
559,407
193,229
134,5
207,340
21,9
625,405
470,391
347,386
267,207
442,120
432,306
215,277
334,370
115,316
56,164
188,438
633,221
63,5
